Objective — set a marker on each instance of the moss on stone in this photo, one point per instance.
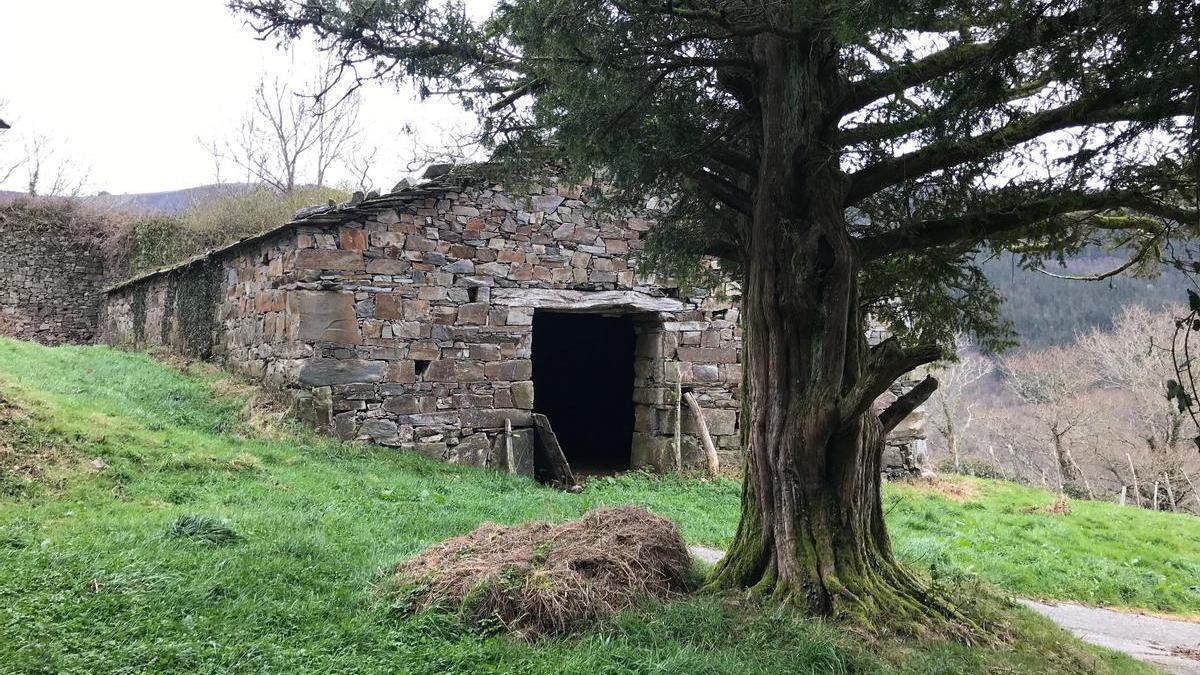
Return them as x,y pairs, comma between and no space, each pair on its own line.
137,305
196,289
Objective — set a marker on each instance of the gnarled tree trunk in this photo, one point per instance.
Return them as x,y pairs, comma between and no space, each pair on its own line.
812,530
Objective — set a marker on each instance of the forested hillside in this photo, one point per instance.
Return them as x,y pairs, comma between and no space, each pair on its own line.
1048,311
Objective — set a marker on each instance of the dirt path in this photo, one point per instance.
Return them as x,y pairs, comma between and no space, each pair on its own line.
1170,644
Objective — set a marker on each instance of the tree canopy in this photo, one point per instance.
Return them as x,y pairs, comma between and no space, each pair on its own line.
956,126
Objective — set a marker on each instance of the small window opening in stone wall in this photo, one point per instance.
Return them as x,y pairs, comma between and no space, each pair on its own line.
583,383
420,365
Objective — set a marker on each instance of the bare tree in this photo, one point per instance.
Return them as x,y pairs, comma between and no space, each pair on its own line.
1134,359
1051,383
337,131
290,134
50,170
360,165
217,154
950,412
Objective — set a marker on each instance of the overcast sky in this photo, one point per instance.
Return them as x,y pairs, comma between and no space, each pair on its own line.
127,86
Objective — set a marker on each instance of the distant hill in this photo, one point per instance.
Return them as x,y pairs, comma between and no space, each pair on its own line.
166,202
170,201
1048,311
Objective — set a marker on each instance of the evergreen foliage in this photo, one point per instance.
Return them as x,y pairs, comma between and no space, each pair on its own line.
974,125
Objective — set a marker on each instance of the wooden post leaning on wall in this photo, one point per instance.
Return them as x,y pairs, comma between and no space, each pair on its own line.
710,450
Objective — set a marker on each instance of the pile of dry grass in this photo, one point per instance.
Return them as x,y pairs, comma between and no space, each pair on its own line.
1061,506
955,489
543,578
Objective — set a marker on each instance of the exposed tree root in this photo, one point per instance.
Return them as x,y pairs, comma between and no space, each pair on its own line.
880,599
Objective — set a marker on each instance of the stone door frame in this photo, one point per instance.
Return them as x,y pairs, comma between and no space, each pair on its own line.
654,383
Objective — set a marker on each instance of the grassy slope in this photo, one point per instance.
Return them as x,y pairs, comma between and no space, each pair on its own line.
1100,553
89,582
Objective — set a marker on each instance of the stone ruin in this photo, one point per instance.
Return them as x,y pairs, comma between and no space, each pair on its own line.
443,317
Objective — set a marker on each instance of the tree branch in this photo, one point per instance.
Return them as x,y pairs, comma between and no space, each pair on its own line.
733,159
888,361
903,406
958,57
1134,259
879,131
875,177
974,227
723,191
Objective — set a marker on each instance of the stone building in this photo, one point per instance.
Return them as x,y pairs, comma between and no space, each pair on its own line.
432,317
51,273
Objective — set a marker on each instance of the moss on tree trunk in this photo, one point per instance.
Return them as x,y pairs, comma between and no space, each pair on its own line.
812,531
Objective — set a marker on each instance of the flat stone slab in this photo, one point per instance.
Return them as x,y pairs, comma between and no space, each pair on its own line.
325,372
324,316
583,301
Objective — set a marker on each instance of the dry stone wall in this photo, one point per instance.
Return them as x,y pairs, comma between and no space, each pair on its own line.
50,275
407,320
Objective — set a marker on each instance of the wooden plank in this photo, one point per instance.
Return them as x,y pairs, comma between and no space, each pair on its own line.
678,454
509,460
710,450
551,464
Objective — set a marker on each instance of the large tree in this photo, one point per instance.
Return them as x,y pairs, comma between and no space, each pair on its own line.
846,158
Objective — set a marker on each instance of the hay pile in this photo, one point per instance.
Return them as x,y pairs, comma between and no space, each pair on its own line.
543,578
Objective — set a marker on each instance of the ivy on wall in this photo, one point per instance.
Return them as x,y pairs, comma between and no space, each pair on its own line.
137,304
168,311
195,308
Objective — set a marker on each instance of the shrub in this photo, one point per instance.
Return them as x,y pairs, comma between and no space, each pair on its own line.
970,466
152,242
228,217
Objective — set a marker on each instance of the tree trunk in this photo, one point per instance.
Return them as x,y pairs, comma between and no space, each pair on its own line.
1065,470
812,530
952,445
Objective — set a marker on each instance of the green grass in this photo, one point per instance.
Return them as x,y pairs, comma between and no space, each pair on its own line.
1101,553
202,545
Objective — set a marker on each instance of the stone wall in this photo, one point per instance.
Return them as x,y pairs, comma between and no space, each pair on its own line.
904,455
407,319
51,273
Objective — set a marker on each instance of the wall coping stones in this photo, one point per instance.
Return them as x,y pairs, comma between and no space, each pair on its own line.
331,214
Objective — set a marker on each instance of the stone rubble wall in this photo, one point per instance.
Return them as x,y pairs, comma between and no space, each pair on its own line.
408,322
905,454
50,276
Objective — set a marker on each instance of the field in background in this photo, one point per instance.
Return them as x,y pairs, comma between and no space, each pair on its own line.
103,453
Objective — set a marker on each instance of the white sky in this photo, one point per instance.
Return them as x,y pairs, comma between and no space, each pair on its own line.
127,86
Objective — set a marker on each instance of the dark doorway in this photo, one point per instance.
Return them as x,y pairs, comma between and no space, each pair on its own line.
583,382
